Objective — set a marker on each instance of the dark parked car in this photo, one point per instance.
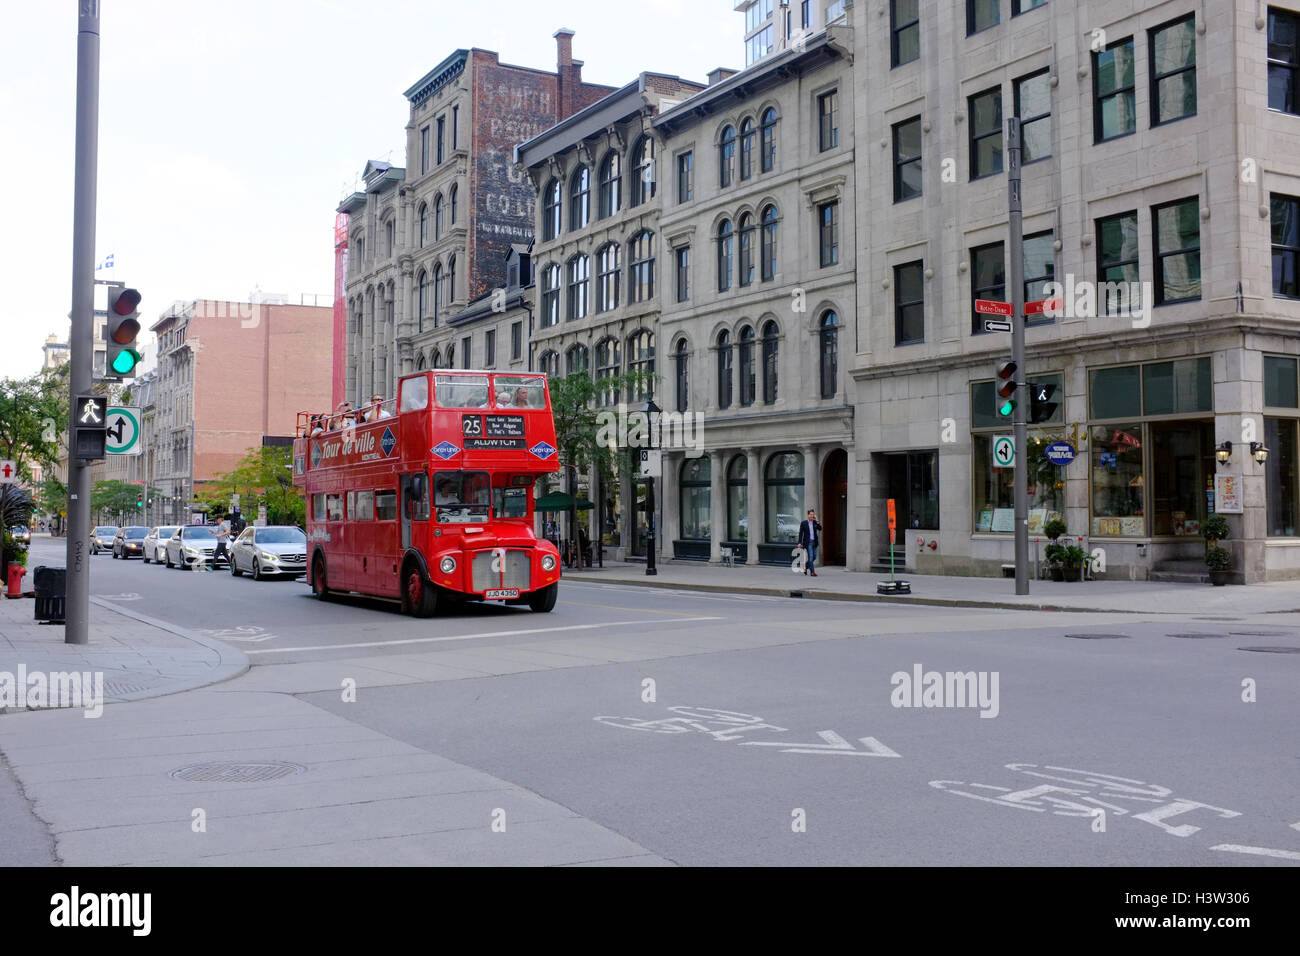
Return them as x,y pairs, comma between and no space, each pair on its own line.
129,542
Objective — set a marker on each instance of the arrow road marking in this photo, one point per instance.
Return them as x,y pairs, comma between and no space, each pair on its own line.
1258,851
835,744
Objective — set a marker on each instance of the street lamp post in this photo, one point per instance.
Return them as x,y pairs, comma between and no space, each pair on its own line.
651,411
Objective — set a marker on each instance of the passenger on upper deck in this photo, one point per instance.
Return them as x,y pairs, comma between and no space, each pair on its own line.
375,410
316,426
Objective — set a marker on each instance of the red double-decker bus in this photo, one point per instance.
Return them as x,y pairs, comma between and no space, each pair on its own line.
429,498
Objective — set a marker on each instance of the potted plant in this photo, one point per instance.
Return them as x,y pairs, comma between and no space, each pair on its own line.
1055,552
1072,562
1217,559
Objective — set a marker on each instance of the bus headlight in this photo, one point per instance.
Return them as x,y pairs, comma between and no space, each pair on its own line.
447,564
548,562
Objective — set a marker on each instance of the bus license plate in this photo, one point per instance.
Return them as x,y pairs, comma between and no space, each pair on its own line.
501,594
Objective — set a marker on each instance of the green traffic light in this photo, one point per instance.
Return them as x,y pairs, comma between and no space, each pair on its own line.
125,361
1006,408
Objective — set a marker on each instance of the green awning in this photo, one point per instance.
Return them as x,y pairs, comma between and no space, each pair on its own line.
561,501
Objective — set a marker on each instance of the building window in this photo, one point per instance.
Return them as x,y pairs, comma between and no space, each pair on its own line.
550,296
439,291
1040,269
424,149
1283,60
438,221
683,273
738,499
1117,263
451,280
767,141
1176,236
466,351
724,369
576,360
1034,109
727,157
985,133
1284,212
548,363
747,149
551,210
726,251
516,341
1282,476
579,278
424,224
455,127
607,366
980,15
681,362
644,186
992,489
745,275
771,361
907,159
611,184
805,14
904,31
489,348
784,497
747,366
768,252
1022,6
580,198
641,362
390,231
828,129
759,45
828,234
607,271
909,303
442,139
422,307
696,488
685,176
988,280
451,203
641,278
829,350
1173,70
1113,105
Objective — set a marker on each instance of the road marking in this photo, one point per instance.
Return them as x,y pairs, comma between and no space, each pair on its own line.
835,744
1258,851
466,637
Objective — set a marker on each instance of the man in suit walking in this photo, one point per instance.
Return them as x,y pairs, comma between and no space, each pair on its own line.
810,537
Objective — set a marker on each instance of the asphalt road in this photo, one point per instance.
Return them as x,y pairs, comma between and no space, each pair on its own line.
1127,745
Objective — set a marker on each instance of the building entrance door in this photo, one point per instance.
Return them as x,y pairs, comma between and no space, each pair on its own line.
1182,461
835,506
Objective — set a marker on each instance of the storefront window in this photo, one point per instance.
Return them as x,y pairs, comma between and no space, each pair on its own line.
1280,382
784,496
992,489
738,499
1281,474
696,495
1118,485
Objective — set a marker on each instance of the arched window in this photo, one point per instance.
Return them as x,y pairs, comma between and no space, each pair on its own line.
390,307
641,269
747,365
451,280
438,222
580,198
550,296
390,231
641,361
607,366
453,195
747,149
551,210
576,360
611,184
422,303
436,361
607,277
769,243
419,361
727,157
726,251
738,499
696,489
784,496
549,363
643,187
439,291
451,357
745,274
771,338
681,359
724,369
829,351
767,141
424,224
579,283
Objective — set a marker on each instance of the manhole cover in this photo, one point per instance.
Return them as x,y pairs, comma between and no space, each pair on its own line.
1272,650
122,686
1098,637
236,772
1197,635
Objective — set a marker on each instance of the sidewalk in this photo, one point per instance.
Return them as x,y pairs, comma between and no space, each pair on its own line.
837,584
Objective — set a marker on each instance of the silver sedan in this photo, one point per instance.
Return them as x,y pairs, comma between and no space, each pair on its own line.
190,546
155,543
269,552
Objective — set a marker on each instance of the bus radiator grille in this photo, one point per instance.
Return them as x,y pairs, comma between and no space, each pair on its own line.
517,570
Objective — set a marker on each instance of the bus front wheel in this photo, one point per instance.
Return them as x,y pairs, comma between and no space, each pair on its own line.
419,597
544,600
319,583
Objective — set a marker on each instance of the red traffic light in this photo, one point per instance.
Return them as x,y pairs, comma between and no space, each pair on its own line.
1006,379
126,301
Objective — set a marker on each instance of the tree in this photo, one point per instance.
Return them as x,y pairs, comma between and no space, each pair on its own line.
33,419
261,477
15,511
114,498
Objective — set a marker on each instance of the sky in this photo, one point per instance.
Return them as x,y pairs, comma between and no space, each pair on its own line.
228,133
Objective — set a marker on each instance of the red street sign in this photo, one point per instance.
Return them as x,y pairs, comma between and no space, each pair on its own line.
990,307
1037,308
892,523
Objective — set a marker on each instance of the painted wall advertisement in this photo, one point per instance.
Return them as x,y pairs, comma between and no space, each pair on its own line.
1227,494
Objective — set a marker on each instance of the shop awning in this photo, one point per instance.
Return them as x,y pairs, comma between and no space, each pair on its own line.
561,501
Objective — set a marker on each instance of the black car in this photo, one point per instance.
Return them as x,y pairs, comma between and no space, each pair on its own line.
129,542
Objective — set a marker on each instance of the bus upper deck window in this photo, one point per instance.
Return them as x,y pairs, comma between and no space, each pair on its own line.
462,391
415,394
520,391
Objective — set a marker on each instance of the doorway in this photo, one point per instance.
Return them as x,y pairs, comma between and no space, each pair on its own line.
835,507
1182,470
912,480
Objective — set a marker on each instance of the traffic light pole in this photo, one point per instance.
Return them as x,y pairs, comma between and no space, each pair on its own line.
82,339
1016,276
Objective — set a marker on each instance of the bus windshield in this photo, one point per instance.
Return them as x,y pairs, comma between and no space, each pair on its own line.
461,497
462,391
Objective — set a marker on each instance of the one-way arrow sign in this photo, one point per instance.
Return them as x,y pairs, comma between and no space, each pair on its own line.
996,325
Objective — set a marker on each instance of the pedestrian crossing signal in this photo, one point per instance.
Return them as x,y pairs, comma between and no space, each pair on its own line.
1041,406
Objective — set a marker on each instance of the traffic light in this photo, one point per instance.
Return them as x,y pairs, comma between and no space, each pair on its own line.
139,500
90,426
123,327
1005,388
1041,406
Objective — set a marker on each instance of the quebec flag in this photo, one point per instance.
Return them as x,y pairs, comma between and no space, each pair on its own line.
105,263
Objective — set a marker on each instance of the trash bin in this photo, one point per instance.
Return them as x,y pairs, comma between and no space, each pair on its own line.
51,589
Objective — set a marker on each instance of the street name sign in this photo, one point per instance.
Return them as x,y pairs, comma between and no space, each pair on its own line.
992,307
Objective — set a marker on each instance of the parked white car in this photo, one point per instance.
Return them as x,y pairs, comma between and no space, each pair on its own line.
190,545
271,551
155,543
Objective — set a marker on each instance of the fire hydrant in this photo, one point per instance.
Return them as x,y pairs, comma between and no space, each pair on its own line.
14,586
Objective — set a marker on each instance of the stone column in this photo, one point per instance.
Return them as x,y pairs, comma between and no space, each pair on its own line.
669,505
756,506
811,484
717,504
